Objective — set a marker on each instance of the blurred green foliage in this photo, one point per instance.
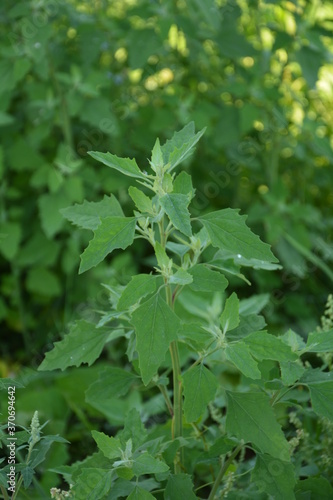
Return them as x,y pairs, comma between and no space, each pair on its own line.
113,75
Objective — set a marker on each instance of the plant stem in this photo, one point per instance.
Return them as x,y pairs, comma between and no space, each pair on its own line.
223,470
177,426
4,493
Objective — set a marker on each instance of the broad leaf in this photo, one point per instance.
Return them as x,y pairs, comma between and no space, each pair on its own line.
206,280
92,483
181,277
275,477
239,354
142,201
112,382
321,390
291,371
139,287
88,214
183,185
227,230
313,488
320,342
133,429
179,487
175,206
83,344
251,417
140,494
109,446
112,233
124,165
156,325
254,304
199,389
229,319
180,146
147,464
265,346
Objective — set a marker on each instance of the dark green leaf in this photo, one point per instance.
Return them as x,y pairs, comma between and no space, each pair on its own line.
139,287
239,354
206,280
179,487
199,389
265,346
275,477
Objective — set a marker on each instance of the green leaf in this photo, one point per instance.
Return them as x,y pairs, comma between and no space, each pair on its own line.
124,165
180,146
320,342
313,488
229,319
10,236
239,354
175,206
251,417
206,280
88,214
156,325
83,344
199,389
133,429
275,477
254,304
321,390
92,483
140,494
112,233
142,201
227,230
265,346
183,185
147,464
157,156
161,256
112,382
139,287
109,446
291,371
43,281
181,277
179,487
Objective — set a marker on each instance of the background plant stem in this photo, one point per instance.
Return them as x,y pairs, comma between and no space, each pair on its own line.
223,470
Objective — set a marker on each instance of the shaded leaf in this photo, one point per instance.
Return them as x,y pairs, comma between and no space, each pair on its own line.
239,354
275,477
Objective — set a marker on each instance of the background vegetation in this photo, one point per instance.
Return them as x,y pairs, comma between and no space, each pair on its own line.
111,76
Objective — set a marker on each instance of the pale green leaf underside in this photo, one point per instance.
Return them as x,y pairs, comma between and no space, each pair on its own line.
251,417
199,389
239,354
126,166
83,344
265,346
139,287
275,477
320,342
229,319
175,206
147,464
156,325
227,230
112,233
142,201
88,214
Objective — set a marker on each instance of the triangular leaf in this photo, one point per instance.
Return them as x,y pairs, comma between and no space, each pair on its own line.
275,477
199,389
139,287
140,494
320,342
112,233
179,487
124,165
175,206
83,344
112,382
265,346
227,230
156,325
142,201
109,446
206,280
88,214
321,390
147,464
239,354
251,417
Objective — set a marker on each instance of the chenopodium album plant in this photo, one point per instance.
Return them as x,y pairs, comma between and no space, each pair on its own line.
226,382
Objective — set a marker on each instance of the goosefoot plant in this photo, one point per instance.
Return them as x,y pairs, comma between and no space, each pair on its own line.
227,384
